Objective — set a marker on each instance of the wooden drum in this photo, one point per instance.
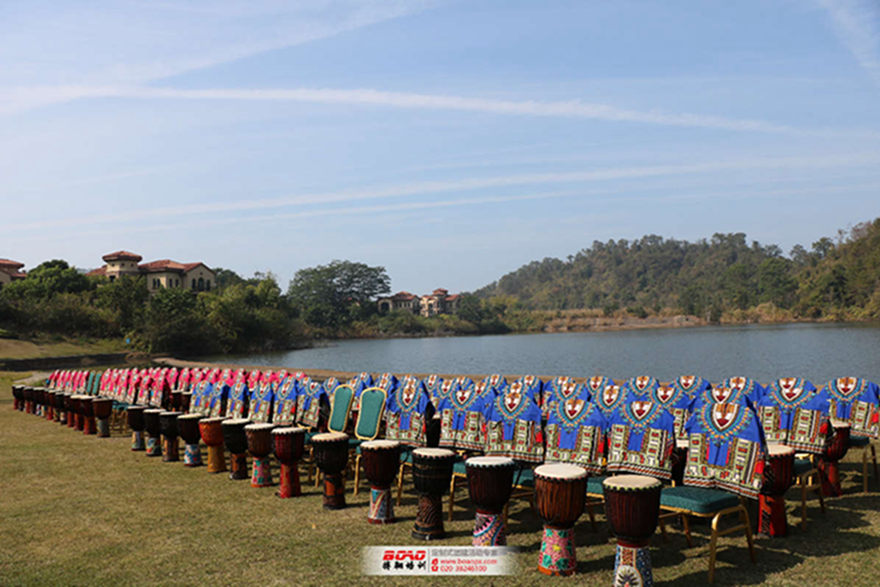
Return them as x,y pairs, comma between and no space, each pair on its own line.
60,408
259,438
560,491
778,478
17,397
188,427
235,439
490,483
211,430
49,404
828,462
289,444
331,456
72,408
103,407
88,412
381,459
432,475
135,418
154,432
170,444
632,506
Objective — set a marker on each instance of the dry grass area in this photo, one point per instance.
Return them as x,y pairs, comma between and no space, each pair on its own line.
78,510
26,349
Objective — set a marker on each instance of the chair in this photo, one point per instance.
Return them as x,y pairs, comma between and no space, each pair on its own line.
686,501
808,479
864,445
368,423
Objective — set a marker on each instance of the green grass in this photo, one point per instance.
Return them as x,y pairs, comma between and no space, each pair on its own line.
32,349
78,510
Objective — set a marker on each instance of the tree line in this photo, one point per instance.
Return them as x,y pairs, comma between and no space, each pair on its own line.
834,279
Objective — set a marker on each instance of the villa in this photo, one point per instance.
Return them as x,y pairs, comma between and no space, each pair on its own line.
164,274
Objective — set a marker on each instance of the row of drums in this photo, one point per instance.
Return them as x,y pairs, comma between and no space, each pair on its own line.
632,501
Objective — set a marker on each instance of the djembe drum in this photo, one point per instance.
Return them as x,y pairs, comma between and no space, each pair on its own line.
154,432
211,430
259,439
49,404
829,461
79,417
235,439
381,459
103,407
331,456
632,506
38,401
16,397
559,498
60,408
175,399
88,411
71,406
289,448
490,483
28,394
188,427
432,475
135,417
778,478
170,444
679,461
185,399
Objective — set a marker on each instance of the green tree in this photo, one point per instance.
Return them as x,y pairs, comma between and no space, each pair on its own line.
470,309
775,283
126,296
324,294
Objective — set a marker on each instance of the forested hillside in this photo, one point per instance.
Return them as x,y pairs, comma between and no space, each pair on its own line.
836,279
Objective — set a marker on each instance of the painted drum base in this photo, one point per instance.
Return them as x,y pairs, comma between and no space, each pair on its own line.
154,446
632,566
289,478
489,530
170,450
57,415
192,455
50,413
830,474
216,462
137,440
429,519
557,552
90,426
381,506
334,491
238,467
262,474
62,418
771,516
103,428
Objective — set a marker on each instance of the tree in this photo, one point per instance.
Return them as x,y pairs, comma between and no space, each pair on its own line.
325,293
775,283
470,309
126,296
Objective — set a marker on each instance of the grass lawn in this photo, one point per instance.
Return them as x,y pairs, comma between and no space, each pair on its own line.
33,349
81,510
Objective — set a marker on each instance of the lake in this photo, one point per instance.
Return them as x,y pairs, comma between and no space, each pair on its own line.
818,352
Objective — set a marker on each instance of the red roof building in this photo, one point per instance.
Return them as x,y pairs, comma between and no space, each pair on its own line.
161,274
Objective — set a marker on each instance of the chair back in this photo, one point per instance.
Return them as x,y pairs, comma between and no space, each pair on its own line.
340,408
370,415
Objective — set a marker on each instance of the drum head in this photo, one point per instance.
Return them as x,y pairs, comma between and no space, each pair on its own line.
259,426
211,420
329,437
681,444
561,471
433,453
775,450
489,462
190,417
156,411
289,430
379,444
839,423
631,482
236,421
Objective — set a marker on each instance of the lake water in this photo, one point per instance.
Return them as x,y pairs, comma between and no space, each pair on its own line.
818,352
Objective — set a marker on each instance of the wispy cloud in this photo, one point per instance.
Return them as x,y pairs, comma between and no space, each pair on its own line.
427,188
856,23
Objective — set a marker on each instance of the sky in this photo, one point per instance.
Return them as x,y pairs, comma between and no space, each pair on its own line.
448,141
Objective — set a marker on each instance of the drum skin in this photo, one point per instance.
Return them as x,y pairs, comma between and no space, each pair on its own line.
632,512
188,427
212,431
778,472
234,436
59,401
559,501
380,463
432,470
259,439
490,486
289,444
87,407
331,454
135,417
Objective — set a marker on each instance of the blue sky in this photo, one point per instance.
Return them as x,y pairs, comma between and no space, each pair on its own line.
449,141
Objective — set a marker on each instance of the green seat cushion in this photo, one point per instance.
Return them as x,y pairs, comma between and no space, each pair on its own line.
801,466
859,441
355,443
524,478
371,411
341,402
697,499
309,436
459,468
594,485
